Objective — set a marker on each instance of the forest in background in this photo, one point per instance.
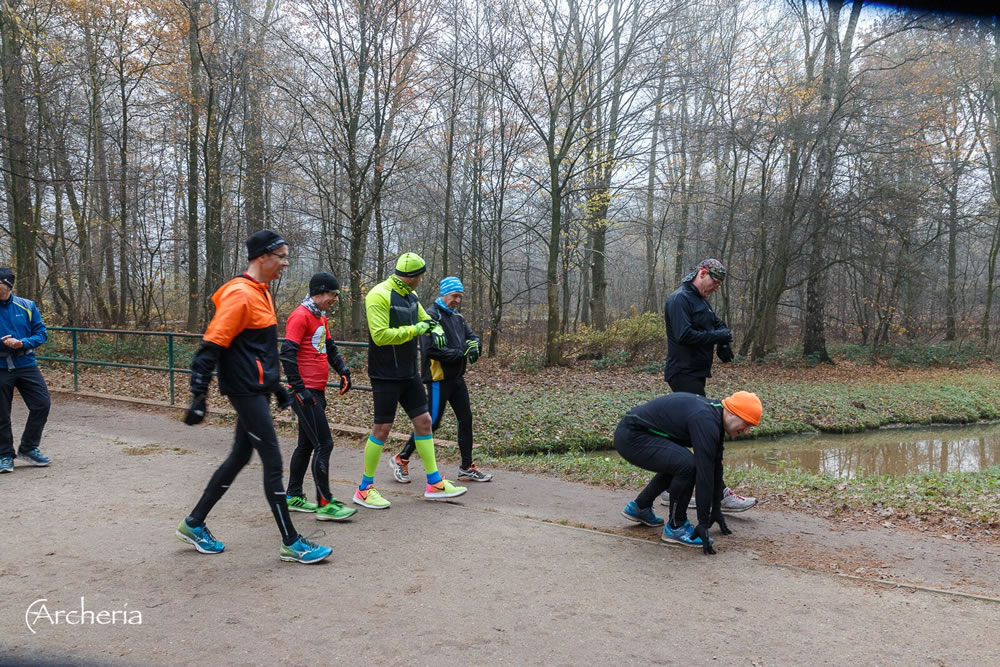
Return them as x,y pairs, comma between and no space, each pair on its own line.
571,160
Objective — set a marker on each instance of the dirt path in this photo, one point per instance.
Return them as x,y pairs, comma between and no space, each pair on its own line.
524,570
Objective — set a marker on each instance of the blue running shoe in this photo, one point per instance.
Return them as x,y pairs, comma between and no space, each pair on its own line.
304,551
6,464
682,536
643,516
200,538
35,457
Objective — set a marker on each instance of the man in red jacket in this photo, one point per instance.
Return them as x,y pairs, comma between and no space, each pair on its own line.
307,354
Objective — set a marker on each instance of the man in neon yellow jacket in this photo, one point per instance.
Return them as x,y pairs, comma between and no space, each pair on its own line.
395,320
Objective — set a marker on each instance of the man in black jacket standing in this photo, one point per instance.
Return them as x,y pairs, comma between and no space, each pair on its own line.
444,375
694,333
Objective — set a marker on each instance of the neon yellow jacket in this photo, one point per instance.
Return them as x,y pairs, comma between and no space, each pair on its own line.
393,309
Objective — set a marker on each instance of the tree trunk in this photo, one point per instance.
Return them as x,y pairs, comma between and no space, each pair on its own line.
194,120
19,207
995,180
553,351
652,305
124,251
951,307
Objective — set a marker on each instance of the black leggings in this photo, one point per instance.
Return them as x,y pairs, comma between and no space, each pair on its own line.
315,441
688,383
456,393
673,464
254,430
29,382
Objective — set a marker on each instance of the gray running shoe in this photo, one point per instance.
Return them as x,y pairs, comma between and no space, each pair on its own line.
473,474
400,469
665,500
732,502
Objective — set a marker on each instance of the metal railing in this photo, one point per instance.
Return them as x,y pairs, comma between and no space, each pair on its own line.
171,369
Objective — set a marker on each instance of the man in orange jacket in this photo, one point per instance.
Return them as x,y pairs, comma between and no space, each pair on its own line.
242,340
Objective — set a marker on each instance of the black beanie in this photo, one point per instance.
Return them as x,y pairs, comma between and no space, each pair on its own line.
323,282
263,241
7,276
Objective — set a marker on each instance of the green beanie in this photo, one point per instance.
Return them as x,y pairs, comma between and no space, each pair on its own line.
410,264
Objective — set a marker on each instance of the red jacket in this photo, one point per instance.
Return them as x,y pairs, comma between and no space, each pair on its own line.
308,350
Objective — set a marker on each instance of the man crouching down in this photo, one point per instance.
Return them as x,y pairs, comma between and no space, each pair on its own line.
680,437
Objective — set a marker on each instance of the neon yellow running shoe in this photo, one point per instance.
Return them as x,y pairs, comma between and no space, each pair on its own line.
371,499
443,490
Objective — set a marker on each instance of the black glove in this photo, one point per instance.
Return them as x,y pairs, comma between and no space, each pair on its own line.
723,336
345,382
725,353
284,400
196,411
721,520
303,396
706,544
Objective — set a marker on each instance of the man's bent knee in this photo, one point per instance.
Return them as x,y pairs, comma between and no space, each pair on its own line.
422,424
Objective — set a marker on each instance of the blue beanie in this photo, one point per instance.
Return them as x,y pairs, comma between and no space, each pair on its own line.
451,284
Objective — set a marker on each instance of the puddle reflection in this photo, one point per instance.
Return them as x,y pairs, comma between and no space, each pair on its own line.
889,452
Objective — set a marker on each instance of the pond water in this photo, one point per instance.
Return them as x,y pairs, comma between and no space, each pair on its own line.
893,451
885,452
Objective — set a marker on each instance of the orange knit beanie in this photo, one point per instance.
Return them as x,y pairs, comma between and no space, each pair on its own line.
744,405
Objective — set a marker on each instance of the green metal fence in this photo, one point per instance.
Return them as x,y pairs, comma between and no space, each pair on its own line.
171,368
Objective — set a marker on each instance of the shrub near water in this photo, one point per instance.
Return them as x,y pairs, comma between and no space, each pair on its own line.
622,343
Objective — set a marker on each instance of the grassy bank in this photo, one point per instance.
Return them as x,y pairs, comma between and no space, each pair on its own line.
573,411
542,421
576,409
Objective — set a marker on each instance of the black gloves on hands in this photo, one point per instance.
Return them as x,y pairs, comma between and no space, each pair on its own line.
196,411
706,544
284,400
723,528
723,336
345,382
304,397
725,353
